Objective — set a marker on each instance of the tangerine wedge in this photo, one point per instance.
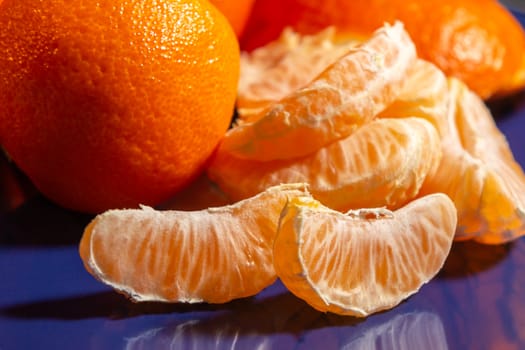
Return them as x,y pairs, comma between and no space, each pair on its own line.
272,72
478,171
363,261
348,93
425,94
383,163
212,255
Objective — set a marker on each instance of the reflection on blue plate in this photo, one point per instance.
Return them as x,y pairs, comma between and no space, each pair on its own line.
412,330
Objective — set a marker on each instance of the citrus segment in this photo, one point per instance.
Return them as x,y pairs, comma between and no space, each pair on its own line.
383,163
425,94
363,261
212,255
478,172
270,73
348,93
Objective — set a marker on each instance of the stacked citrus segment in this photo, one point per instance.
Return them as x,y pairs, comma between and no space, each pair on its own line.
380,162
363,261
285,65
383,163
425,94
478,171
213,255
348,93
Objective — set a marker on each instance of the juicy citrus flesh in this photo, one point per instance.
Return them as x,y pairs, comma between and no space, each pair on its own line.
477,170
272,72
425,94
363,261
480,43
348,93
212,255
107,104
489,185
383,163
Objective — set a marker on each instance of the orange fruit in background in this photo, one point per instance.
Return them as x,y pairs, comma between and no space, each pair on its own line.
236,11
366,260
212,255
479,42
107,104
346,94
383,163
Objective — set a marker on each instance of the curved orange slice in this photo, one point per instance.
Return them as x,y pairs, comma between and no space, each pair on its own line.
348,93
384,163
425,94
365,261
213,255
272,72
478,172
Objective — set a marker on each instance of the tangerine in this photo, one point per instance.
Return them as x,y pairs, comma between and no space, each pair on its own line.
107,104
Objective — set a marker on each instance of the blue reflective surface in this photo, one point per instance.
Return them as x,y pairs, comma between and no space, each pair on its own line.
49,301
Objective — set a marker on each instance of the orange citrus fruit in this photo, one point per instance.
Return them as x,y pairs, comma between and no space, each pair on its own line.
348,93
383,163
479,42
107,104
212,255
237,12
363,261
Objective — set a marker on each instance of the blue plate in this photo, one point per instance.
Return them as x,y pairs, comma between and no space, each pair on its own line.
49,301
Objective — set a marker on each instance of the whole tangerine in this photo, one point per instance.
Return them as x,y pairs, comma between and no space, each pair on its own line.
114,103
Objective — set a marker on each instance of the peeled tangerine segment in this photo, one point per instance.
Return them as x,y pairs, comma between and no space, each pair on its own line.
212,255
384,163
348,93
366,260
271,72
478,171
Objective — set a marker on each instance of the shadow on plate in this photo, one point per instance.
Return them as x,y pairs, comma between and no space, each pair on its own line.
39,222
504,107
469,258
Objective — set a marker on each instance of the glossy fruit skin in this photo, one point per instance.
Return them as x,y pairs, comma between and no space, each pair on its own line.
477,41
108,104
